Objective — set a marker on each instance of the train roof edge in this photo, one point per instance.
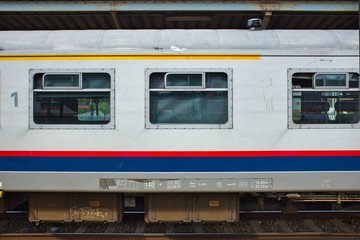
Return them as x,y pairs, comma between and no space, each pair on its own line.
176,40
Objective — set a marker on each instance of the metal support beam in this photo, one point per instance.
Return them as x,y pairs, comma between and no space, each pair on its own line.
266,19
116,6
116,20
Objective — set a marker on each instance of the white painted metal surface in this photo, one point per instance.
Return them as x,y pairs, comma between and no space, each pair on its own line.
205,41
260,99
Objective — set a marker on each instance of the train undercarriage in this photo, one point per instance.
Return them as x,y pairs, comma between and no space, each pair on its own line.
168,207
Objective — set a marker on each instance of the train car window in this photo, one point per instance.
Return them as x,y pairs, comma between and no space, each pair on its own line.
61,99
324,98
186,98
96,80
61,80
331,80
183,80
216,80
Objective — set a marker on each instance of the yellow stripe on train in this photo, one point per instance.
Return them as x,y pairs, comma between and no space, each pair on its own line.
45,57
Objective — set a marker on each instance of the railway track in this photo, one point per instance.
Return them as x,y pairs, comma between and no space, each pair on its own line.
209,236
251,226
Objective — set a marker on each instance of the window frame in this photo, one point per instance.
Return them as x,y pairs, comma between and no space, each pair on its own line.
60,87
70,89
327,87
316,71
203,71
184,87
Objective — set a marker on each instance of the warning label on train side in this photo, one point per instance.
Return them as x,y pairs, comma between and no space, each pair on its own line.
195,184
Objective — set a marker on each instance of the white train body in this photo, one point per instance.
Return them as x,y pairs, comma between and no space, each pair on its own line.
247,132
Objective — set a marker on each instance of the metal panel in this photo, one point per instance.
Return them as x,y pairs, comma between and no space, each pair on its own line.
97,207
50,207
179,42
188,182
192,207
75,207
168,207
216,207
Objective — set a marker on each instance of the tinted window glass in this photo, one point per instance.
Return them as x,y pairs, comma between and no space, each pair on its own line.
71,99
188,99
333,98
64,80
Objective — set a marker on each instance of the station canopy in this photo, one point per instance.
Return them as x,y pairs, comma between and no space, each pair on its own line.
66,15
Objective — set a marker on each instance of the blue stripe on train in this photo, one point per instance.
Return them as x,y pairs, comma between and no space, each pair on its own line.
179,164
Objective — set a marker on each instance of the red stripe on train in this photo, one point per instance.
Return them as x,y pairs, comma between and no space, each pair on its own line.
260,153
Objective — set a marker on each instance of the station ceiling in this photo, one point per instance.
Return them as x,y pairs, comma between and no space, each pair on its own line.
65,15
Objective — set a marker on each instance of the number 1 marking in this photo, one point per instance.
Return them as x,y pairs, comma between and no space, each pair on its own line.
15,95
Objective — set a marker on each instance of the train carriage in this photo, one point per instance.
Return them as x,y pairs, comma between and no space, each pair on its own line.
190,119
